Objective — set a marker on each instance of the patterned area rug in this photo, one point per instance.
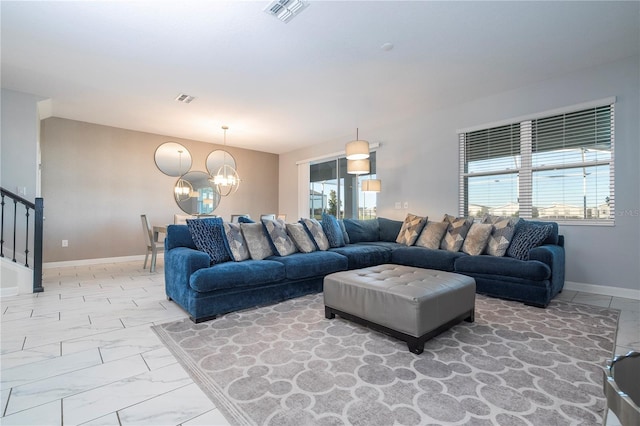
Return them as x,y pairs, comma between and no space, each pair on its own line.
287,365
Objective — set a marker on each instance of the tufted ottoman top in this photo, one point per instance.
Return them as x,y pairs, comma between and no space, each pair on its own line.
404,298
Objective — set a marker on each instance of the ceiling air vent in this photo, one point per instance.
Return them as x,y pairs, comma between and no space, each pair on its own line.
285,10
185,99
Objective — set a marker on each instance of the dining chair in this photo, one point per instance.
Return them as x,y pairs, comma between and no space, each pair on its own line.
235,217
282,217
271,216
152,246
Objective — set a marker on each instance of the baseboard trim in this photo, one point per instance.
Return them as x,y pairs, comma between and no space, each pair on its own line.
85,262
627,293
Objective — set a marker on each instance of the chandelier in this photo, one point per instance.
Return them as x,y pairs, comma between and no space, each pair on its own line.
183,187
226,180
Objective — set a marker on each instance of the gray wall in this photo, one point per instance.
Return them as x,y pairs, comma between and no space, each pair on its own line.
98,180
19,143
418,163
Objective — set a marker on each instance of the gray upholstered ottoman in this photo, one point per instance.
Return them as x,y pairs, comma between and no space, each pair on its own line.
411,304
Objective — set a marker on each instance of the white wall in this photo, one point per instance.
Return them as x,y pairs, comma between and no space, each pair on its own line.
418,163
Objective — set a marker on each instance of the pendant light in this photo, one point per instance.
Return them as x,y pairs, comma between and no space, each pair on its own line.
226,181
357,150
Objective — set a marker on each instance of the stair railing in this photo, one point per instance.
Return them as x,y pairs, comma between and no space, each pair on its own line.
37,208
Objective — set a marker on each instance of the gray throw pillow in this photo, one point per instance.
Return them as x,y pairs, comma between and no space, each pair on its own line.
432,234
314,229
476,239
411,228
235,242
277,232
300,237
456,232
502,234
257,241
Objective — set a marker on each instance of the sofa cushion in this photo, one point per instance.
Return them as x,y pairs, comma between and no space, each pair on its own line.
276,231
502,234
300,237
362,230
307,265
411,228
432,235
208,235
314,228
332,230
235,243
389,229
257,242
237,274
456,232
345,236
363,255
477,238
421,257
527,236
504,266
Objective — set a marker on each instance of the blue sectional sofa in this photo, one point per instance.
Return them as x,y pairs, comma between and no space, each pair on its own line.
206,291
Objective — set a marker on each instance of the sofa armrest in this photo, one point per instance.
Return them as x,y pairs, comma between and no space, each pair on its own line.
553,256
179,264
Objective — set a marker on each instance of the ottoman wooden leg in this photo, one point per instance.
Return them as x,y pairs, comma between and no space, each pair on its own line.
328,314
416,347
471,317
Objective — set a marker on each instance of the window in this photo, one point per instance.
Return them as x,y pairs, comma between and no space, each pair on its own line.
333,191
557,167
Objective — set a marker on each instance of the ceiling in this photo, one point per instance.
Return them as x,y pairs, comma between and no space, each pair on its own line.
280,87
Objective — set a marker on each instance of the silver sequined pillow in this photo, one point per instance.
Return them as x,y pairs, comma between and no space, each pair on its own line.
456,232
257,241
477,238
277,232
235,242
300,237
314,228
411,228
500,239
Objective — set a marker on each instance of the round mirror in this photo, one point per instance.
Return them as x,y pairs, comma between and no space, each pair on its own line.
218,158
173,159
195,195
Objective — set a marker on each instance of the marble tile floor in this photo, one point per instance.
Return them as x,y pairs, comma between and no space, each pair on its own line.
82,352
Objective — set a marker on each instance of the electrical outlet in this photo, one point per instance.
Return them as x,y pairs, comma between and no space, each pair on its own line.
398,205
65,243
406,204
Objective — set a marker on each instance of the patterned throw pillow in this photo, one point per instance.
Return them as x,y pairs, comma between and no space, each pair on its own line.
502,234
477,238
432,234
332,230
411,229
245,219
528,236
235,243
257,241
300,237
208,236
316,233
456,232
276,230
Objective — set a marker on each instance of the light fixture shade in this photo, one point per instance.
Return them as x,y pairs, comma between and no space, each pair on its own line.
226,181
358,167
372,185
357,150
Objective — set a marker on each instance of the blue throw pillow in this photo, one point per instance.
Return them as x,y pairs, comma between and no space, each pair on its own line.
344,232
244,219
208,236
332,230
527,236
